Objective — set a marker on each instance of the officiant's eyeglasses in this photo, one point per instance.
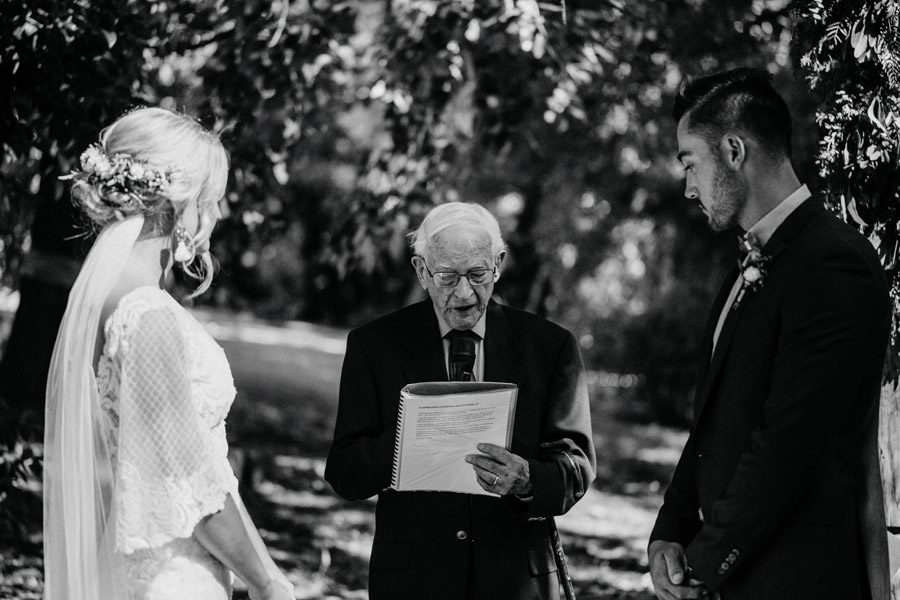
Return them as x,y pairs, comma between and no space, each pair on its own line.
449,279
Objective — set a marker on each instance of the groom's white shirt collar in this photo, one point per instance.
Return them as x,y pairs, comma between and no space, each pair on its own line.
765,227
763,230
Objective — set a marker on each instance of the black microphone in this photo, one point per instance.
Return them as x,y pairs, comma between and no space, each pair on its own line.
462,355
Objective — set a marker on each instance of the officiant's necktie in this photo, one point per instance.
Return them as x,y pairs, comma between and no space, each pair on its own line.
463,345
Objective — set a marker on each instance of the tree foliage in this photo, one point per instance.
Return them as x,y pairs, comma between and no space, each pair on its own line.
562,128
852,53
347,120
260,73
269,76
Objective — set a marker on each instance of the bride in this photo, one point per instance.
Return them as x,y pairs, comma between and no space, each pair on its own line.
140,502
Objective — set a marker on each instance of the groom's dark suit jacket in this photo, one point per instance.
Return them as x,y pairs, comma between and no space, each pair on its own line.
768,492
429,544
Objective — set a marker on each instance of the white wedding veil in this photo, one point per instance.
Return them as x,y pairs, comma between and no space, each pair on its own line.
79,552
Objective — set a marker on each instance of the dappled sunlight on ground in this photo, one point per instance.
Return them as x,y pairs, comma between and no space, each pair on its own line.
280,428
323,542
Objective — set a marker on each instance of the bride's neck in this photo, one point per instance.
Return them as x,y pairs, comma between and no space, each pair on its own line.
148,263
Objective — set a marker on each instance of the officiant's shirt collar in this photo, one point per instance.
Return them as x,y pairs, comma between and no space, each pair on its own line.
479,327
765,227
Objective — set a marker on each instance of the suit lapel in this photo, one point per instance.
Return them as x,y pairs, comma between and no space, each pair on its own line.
791,227
718,356
707,347
502,351
775,246
422,339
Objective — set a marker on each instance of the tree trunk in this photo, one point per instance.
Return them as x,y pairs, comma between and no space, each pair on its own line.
46,276
889,452
26,358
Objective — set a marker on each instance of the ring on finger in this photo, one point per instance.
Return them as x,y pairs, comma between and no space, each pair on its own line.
496,480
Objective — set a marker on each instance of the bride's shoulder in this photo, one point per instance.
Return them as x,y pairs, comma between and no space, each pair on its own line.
142,308
138,300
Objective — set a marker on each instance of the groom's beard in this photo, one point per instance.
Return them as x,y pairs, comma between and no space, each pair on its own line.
729,197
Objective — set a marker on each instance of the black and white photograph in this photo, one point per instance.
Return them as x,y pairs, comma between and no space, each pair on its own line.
450,300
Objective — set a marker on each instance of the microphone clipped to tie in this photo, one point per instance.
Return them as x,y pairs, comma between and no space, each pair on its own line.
462,354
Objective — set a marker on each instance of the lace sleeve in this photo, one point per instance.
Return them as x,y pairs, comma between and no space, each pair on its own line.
169,468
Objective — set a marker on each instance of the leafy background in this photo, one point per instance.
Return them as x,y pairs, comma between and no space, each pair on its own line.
347,120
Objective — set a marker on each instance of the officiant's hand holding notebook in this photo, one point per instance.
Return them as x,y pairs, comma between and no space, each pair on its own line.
439,423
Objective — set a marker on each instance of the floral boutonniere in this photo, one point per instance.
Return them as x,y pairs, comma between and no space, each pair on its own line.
753,267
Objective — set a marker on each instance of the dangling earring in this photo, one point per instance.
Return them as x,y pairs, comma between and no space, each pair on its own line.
184,246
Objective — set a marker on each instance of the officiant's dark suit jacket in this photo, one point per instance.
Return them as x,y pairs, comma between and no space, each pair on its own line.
770,494
426,543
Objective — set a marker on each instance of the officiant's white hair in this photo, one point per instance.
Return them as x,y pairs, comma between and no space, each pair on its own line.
454,214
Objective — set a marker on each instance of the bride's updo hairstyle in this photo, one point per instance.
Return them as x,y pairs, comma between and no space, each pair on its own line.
156,163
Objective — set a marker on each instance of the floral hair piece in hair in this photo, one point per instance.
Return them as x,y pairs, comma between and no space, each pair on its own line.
126,183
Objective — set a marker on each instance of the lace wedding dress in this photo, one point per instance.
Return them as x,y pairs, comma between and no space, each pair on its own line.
165,388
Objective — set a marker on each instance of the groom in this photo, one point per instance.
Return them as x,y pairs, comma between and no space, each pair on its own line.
777,494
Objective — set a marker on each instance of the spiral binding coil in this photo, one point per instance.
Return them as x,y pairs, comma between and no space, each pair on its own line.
395,471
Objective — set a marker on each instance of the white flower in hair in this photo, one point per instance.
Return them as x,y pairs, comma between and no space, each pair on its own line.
136,171
94,162
126,181
89,158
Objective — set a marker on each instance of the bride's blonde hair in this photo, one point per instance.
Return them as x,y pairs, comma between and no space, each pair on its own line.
193,159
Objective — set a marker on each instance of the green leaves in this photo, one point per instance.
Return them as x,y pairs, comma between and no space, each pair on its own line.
347,120
852,60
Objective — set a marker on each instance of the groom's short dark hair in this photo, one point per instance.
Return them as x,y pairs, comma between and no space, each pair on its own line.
740,99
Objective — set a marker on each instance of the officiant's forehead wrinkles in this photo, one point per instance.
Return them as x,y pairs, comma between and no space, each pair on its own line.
457,214
460,244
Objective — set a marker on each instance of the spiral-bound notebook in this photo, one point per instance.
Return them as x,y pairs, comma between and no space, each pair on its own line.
439,423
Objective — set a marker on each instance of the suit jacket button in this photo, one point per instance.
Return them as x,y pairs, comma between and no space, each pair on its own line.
461,535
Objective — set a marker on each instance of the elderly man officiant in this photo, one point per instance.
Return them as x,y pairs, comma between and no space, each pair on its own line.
455,546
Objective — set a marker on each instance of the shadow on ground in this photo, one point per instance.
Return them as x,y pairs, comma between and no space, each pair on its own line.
280,428
323,542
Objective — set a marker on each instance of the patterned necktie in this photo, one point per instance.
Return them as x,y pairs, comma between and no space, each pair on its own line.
462,354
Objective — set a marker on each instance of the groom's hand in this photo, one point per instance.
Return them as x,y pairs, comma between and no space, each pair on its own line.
668,568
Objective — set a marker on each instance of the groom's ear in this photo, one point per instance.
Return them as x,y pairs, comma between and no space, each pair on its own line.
733,149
